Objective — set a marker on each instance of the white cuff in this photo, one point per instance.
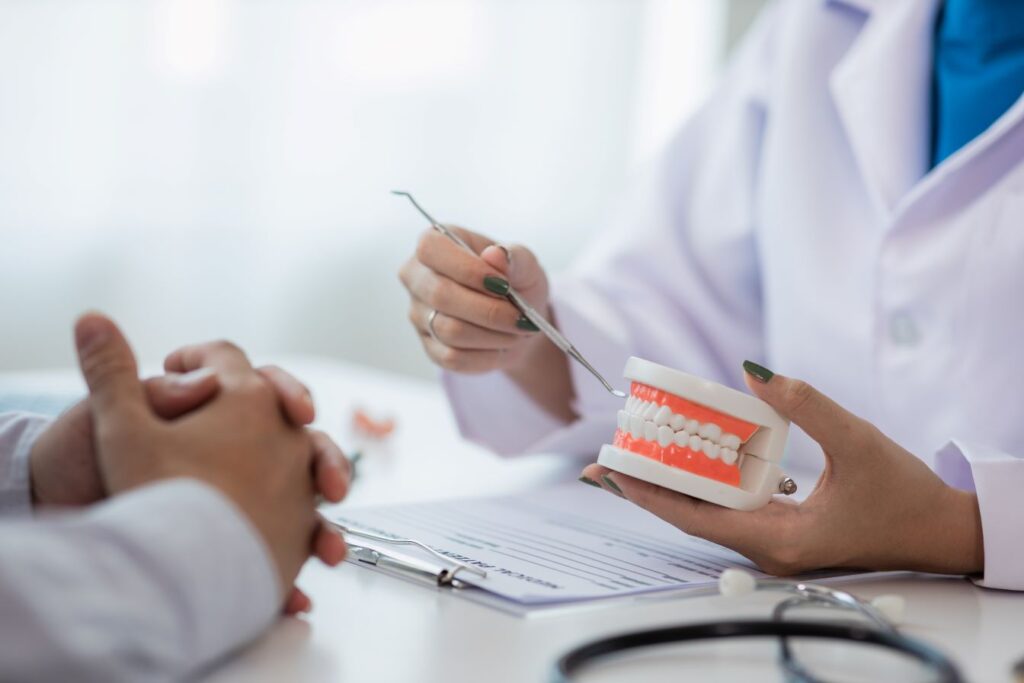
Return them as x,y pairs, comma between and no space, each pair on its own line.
493,411
998,480
18,434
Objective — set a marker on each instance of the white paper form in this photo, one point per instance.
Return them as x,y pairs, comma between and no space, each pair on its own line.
560,544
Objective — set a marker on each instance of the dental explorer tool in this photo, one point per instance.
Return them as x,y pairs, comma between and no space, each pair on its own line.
556,337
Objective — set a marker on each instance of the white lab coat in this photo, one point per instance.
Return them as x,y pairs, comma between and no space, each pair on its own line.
794,221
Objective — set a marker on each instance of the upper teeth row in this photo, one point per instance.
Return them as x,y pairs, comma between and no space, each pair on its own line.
653,422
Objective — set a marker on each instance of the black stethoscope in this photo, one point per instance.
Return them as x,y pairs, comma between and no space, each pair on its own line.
881,633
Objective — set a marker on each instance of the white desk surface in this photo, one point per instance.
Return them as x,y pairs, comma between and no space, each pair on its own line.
367,626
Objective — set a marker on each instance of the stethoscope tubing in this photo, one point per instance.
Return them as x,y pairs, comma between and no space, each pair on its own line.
575,660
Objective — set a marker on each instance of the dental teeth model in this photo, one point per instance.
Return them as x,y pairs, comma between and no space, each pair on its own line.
697,437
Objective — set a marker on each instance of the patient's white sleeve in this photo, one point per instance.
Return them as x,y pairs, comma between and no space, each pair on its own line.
998,480
674,279
149,586
18,433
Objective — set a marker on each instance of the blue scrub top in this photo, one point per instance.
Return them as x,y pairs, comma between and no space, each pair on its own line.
978,69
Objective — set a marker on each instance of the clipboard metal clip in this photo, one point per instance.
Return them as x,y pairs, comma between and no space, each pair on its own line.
445,576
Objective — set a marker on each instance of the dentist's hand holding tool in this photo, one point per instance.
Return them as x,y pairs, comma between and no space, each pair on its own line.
458,308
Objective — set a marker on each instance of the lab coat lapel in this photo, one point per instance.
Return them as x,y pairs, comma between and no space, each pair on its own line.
882,92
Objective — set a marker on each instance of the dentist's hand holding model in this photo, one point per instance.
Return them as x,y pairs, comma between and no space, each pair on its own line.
845,209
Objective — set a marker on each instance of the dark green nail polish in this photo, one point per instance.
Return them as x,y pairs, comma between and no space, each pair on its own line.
496,285
525,323
611,484
758,372
589,481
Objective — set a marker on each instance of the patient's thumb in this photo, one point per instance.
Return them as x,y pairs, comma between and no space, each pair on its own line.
108,365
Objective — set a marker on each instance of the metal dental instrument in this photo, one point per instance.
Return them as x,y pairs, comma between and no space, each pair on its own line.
526,309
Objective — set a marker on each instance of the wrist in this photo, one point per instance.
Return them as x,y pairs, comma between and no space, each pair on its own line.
970,548
542,371
953,543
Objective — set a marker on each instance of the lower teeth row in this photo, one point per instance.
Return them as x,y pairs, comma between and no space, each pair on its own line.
639,428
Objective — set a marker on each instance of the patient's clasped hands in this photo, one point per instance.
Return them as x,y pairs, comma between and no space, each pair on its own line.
213,418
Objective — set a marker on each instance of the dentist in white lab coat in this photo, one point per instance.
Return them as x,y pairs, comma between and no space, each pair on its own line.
812,218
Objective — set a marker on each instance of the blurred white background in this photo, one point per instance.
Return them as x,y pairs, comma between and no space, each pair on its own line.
220,168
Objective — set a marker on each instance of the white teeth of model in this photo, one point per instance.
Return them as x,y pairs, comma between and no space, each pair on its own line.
682,439
692,426
650,410
730,441
623,420
695,443
636,426
711,449
663,415
630,402
728,456
677,422
665,435
650,431
710,431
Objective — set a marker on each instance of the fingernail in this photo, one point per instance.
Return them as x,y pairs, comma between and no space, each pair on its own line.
496,285
589,481
190,378
611,484
90,333
508,254
758,372
525,323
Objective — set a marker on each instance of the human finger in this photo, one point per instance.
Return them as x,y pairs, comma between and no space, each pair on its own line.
445,257
762,535
447,296
475,240
221,355
498,256
175,394
329,545
330,467
295,398
297,602
109,368
517,263
458,333
835,429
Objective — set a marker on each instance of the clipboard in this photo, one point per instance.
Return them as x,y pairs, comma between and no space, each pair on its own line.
438,575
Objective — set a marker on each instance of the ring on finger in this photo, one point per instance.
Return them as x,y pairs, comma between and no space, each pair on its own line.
430,326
